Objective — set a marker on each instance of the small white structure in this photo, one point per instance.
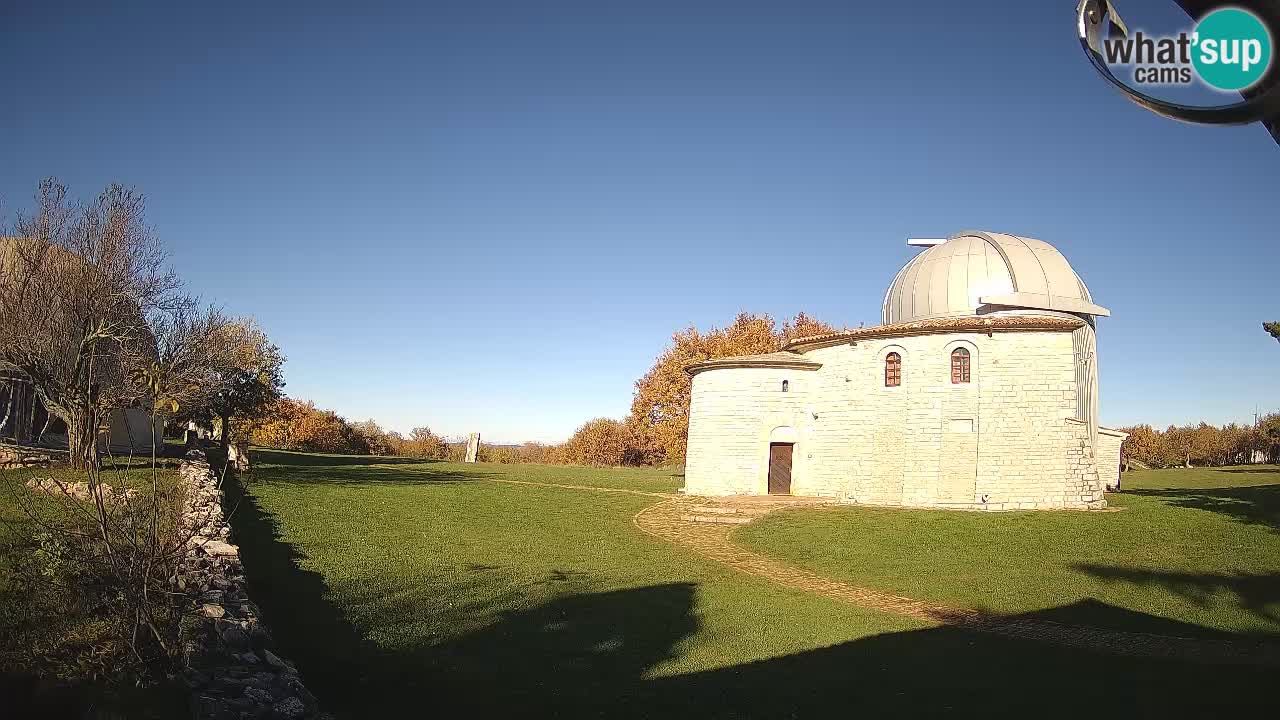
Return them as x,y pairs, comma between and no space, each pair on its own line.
128,431
979,391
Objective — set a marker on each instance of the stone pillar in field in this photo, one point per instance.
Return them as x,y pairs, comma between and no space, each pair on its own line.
473,447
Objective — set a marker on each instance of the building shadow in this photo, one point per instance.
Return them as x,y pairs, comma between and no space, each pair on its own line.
1254,505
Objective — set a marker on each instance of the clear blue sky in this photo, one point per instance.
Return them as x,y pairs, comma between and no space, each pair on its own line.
492,215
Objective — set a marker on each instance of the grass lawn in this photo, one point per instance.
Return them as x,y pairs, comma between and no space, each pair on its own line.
406,589
1197,550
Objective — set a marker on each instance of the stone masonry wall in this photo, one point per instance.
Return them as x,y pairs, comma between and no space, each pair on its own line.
1002,441
731,416
233,672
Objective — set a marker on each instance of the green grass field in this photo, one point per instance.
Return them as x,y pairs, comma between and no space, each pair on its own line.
1199,547
405,589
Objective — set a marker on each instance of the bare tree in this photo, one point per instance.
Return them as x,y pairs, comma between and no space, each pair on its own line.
131,533
78,282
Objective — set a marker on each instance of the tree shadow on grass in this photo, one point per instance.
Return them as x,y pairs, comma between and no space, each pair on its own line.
296,459
1254,505
1256,593
301,469
563,649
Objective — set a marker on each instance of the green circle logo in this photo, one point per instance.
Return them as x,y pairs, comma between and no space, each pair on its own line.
1231,49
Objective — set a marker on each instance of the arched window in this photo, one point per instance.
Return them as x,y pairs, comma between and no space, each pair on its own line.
786,385
959,366
892,370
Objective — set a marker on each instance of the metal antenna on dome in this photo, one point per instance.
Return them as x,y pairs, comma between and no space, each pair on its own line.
925,242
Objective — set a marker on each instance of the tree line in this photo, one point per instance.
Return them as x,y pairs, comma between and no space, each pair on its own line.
1204,445
654,433
656,430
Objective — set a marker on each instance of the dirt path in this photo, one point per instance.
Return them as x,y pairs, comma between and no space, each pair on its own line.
673,520
623,491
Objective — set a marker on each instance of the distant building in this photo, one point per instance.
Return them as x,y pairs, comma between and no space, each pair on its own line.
23,418
979,391
24,421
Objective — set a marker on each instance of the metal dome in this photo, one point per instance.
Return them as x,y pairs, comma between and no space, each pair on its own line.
976,273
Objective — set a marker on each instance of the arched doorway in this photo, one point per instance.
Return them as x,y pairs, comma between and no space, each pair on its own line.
782,443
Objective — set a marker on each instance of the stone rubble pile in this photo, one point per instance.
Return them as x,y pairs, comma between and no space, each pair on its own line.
76,490
232,671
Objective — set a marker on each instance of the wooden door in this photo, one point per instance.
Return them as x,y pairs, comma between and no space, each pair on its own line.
780,468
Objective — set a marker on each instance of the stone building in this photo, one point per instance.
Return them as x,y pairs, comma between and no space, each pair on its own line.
979,391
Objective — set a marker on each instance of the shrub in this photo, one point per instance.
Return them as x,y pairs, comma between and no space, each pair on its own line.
602,442
292,424
422,443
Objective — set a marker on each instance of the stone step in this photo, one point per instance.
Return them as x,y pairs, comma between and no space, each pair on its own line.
725,519
717,510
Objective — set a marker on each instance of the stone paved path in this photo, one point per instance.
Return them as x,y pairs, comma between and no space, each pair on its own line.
670,520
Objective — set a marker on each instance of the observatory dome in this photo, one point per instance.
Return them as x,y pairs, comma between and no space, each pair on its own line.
976,273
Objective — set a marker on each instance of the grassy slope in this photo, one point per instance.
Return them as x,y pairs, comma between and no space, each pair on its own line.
52,638
406,588
1198,546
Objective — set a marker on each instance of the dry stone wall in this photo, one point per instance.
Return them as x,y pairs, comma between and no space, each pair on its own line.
232,670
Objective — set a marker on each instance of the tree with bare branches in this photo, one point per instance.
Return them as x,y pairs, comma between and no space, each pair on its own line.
78,284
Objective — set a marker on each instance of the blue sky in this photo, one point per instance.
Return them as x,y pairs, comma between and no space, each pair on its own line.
491,216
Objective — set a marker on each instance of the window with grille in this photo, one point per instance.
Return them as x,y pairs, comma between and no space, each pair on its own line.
892,370
959,366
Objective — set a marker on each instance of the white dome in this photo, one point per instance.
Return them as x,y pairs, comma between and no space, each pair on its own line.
976,273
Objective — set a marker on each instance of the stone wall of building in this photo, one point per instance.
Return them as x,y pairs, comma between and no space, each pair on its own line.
1002,441
732,413
1109,456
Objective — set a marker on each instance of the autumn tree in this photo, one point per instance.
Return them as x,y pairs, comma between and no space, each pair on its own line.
379,441
1273,328
179,369
78,282
802,326
327,431
1269,436
602,442
1142,445
249,377
274,428
422,443
660,408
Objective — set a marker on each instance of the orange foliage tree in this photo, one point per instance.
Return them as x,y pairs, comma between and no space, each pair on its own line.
422,443
602,442
660,407
296,425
